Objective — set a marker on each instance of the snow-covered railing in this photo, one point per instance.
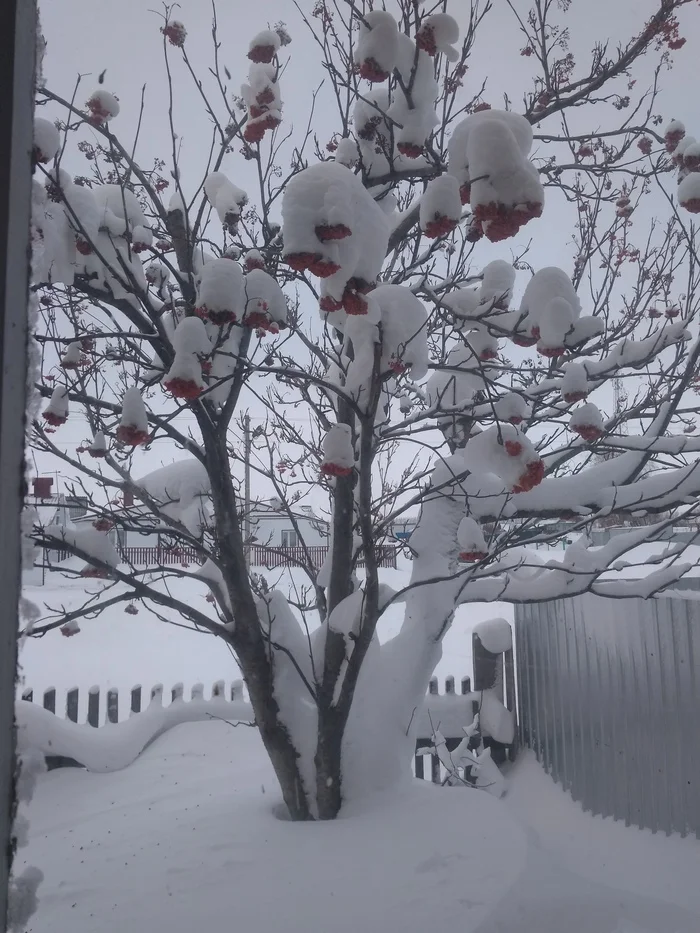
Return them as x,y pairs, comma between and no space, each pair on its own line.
66,729
260,556
608,698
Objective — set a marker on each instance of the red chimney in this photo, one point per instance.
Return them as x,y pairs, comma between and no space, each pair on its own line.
42,486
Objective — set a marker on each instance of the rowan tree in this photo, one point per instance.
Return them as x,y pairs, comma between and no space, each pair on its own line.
374,274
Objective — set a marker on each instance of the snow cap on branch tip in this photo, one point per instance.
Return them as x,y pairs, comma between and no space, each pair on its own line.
56,412
264,46
226,198
103,107
346,152
338,453
487,154
133,427
554,323
253,260
470,537
98,447
497,285
73,357
47,140
483,345
191,342
157,273
440,206
673,134
220,295
689,193
587,421
265,304
438,34
574,383
509,454
262,97
334,229
404,331
377,46
512,408
175,32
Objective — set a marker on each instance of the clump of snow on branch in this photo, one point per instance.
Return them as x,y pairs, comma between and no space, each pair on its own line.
98,447
264,101
377,45
438,34
102,106
487,155
334,229
440,206
181,490
191,344
220,296
574,384
56,412
265,304
496,289
509,454
587,421
88,541
226,198
47,140
338,452
470,537
404,330
264,45
133,426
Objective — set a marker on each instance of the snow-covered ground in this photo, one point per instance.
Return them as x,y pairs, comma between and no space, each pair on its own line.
120,650
187,839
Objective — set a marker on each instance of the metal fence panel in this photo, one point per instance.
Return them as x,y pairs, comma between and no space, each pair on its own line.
609,700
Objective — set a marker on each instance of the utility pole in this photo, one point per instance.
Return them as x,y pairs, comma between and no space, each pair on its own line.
246,486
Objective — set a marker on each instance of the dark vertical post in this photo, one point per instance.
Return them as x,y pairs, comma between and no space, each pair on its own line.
17,64
136,699
113,705
510,696
50,699
466,685
72,698
450,684
93,716
434,760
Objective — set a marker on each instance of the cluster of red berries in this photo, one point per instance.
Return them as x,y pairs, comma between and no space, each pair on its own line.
500,221
132,436
440,225
335,469
533,476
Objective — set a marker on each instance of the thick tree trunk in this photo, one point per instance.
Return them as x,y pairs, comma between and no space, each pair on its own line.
328,762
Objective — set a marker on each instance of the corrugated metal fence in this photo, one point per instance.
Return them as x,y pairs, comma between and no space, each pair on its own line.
609,699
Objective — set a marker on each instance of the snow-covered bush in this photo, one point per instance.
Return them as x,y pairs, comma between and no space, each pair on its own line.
371,302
